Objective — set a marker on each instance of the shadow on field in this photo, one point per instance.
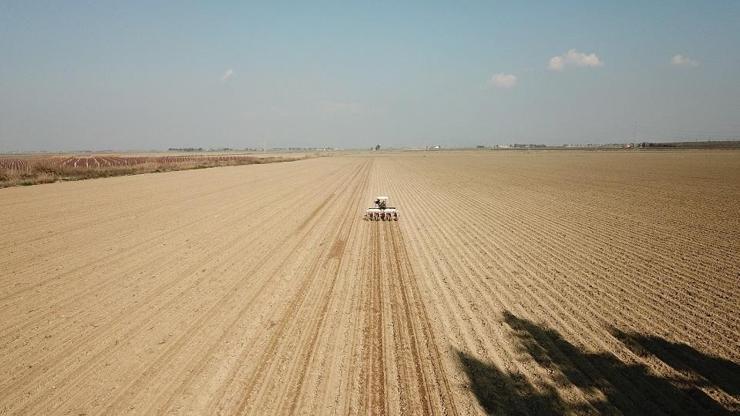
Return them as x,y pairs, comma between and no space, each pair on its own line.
507,393
612,386
717,372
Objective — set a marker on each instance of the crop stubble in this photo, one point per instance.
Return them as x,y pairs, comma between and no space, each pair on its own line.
589,282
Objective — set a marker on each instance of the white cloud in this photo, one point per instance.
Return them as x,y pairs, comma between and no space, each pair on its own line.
574,58
502,80
225,77
556,63
680,60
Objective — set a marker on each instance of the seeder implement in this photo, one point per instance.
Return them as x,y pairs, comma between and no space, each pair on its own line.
381,211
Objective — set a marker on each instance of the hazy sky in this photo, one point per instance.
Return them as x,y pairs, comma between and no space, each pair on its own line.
151,75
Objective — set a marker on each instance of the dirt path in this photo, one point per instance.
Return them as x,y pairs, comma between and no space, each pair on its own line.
522,282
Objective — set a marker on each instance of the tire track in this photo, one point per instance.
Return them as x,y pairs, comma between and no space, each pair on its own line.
373,365
422,386
423,344
268,356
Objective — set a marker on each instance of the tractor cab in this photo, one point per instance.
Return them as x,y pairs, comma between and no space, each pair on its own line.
381,202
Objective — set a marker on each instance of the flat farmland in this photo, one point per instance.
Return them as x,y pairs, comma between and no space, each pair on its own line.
515,282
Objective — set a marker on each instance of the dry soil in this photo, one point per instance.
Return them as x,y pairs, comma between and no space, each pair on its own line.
513,283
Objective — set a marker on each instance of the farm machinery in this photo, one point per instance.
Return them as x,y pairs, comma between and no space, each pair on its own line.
381,211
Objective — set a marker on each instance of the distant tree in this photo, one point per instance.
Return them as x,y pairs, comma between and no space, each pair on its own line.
377,147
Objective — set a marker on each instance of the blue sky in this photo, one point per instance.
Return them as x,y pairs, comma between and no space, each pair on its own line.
152,75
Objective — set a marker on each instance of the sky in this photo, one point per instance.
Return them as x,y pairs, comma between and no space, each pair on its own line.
141,75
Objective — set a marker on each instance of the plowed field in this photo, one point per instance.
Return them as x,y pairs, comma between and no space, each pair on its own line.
513,283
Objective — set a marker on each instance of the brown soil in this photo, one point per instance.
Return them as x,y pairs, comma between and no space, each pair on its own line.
514,283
